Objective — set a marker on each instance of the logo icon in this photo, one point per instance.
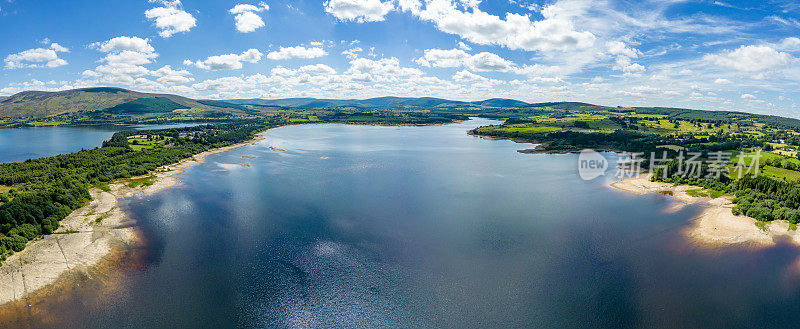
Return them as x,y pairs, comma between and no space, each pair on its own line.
591,164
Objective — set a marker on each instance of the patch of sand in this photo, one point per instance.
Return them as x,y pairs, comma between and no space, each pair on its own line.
716,226
86,236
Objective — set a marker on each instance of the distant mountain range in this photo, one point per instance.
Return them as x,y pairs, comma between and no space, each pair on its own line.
118,101
382,103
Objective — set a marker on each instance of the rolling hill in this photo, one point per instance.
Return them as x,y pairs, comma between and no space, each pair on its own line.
43,104
104,104
371,103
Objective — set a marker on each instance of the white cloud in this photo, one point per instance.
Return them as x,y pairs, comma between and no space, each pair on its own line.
246,18
624,64
167,75
129,57
124,64
227,61
318,69
282,71
625,56
469,77
785,21
748,96
619,48
751,59
119,44
722,81
352,53
296,52
58,48
538,70
555,31
123,61
484,61
37,57
360,11
383,70
789,44
170,19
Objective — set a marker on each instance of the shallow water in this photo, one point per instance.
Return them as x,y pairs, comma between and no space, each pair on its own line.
362,226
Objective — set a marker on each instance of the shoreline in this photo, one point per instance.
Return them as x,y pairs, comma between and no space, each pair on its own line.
716,225
89,235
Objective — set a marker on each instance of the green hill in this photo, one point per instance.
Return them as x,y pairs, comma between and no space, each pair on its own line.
44,104
145,106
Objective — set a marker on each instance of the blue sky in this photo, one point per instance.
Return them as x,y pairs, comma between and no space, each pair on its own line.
713,55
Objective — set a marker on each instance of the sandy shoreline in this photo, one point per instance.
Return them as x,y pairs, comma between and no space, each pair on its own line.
87,235
716,226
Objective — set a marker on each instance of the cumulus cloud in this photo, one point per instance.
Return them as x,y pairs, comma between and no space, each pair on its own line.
124,63
352,53
58,48
227,61
624,57
170,18
124,60
620,48
468,77
296,52
789,44
360,11
751,59
168,75
382,70
364,77
555,31
246,18
722,81
748,96
37,57
318,69
123,43
484,61
625,65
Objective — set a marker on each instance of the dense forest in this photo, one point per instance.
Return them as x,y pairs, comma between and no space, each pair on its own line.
763,198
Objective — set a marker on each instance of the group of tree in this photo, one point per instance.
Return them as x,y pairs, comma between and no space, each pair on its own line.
46,190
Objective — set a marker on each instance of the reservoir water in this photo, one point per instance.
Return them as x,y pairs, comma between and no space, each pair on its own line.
35,142
421,227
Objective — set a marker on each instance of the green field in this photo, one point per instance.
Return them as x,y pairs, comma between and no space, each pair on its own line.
530,128
142,181
608,122
138,143
705,193
781,173
4,191
48,123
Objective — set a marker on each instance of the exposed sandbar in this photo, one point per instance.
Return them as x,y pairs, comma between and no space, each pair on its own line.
716,225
